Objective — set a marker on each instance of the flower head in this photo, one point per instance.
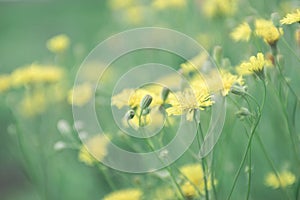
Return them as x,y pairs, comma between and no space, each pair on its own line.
59,43
291,18
266,30
241,33
94,150
255,65
126,194
283,180
80,94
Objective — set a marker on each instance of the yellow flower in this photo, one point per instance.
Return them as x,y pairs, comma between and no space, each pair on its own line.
194,64
58,44
5,82
285,179
94,150
120,4
163,4
135,14
291,18
266,30
195,176
80,94
126,194
219,8
35,74
188,101
254,65
241,32
33,104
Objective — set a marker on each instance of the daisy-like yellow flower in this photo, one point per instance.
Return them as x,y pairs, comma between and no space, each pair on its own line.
126,194
35,74
188,101
163,4
283,180
194,64
58,44
255,65
266,30
228,80
241,33
219,8
80,94
194,174
94,150
291,18
5,82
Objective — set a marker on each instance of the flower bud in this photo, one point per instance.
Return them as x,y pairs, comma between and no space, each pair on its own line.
129,115
243,112
146,101
238,89
146,111
165,93
275,19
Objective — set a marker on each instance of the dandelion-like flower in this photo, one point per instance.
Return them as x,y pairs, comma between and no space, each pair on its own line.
126,194
58,44
188,101
194,174
80,94
94,150
291,18
283,180
255,65
241,33
266,30
229,80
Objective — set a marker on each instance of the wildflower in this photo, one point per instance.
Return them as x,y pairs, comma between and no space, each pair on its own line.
188,101
241,33
126,194
94,150
36,74
5,82
229,80
58,44
163,4
283,180
194,64
291,18
80,94
135,14
194,174
220,8
33,104
266,30
254,65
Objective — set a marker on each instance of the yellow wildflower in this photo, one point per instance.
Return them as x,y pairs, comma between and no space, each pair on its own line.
80,94
291,18
34,74
5,82
254,65
94,150
126,194
163,4
266,30
194,64
283,180
135,14
219,8
58,44
241,32
33,104
195,176
188,101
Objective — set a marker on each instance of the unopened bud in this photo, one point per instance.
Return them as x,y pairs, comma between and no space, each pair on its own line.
275,19
165,93
146,101
243,112
146,111
218,51
238,89
129,115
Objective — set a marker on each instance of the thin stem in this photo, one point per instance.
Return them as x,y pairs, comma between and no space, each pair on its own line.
249,174
290,48
106,177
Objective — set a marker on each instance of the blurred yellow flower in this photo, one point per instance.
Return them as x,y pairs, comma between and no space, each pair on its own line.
94,150
135,14
58,44
5,82
80,94
266,30
219,8
120,4
188,101
291,18
241,33
195,176
33,104
165,193
35,73
126,194
254,65
194,64
283,180
163,4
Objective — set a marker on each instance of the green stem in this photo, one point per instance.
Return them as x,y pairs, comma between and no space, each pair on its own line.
249,175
